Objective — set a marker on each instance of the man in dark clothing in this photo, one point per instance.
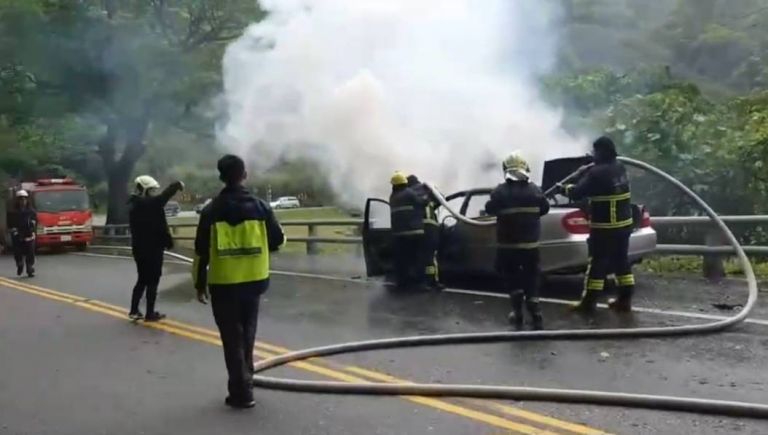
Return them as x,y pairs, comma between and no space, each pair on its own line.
607,187
431,231
149,240
23,228
235,236
519,205
407,218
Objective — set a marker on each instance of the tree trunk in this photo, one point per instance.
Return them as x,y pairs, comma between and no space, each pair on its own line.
117,208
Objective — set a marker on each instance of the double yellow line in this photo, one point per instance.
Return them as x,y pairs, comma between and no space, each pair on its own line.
334,371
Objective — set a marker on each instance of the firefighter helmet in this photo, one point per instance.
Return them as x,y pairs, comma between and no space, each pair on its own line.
145,183
399,179
516,168
22,194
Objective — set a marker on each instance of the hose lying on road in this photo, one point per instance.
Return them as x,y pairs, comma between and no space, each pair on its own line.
531,393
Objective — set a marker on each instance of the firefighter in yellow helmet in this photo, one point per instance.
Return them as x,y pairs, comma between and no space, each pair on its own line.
519,204
235,236
407,218
431,232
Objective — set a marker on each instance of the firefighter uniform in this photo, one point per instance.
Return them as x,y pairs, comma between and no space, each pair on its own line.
407,219
235,236
518,205
23,229
431,231
606,186
150,237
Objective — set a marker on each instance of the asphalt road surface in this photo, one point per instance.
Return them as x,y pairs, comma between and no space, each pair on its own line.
73,364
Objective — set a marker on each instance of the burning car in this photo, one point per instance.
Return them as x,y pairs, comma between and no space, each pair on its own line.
469,251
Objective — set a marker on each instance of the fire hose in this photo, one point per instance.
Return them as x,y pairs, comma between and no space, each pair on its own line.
649,401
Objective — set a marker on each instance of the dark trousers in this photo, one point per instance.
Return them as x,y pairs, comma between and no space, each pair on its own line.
149,267
609,253
24,254
431,242
236,311
520,270
409,260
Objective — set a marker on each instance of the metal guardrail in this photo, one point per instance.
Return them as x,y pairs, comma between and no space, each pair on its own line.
713,251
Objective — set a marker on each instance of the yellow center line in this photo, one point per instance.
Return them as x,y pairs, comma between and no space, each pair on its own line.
212,337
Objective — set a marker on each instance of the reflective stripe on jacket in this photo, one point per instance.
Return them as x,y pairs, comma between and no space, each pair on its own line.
606,186
518,207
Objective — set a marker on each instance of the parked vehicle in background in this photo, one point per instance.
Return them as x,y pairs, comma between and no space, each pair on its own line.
64,215
199,207
468,251
286,202
172,208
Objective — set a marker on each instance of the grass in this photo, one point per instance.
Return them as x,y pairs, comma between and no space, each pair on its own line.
293,231
694,265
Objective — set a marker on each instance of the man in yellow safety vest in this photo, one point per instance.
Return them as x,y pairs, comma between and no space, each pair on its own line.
235,236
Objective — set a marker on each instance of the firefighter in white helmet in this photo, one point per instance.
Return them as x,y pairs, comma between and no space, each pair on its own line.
149,239
23,228
519,204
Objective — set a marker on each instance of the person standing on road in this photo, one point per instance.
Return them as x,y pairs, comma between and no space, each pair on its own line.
407,218
431,232
518,205
23,229
606,186
235,236
149,240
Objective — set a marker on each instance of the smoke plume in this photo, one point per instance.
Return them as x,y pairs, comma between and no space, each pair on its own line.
443,89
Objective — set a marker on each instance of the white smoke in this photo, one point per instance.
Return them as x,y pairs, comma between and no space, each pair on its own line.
443,89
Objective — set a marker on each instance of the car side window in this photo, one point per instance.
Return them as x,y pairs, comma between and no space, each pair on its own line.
476,205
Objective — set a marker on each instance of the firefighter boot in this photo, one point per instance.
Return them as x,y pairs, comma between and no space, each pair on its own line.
19,269
534,309
515,316
587,304
623,302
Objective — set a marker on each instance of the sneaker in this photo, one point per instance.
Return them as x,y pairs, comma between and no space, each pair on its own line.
135,315
154,317
239,404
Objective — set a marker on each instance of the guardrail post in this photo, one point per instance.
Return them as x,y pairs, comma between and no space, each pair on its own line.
312,246
713,267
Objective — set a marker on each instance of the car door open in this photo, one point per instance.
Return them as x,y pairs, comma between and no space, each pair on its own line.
377,238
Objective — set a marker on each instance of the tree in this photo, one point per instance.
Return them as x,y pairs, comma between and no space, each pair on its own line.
121,65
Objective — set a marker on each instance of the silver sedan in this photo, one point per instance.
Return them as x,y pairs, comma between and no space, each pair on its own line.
468,251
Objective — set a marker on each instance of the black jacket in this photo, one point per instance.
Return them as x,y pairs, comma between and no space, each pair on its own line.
430,203
607,187
146,217
406,212
22,223
518,207
234,205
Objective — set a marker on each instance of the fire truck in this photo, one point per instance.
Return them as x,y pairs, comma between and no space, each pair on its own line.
64,215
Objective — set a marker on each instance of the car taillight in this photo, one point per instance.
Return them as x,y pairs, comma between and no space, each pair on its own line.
646,221
576,222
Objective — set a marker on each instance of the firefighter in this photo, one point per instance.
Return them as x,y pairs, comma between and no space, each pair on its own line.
407,218
431,232
149,239
23,229
518,205
235,236
606,186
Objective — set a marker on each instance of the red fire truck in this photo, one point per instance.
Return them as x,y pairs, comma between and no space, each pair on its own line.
64,215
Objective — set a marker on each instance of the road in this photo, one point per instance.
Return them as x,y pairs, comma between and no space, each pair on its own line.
75,365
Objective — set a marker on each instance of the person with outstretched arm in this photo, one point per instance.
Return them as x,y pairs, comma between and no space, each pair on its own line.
150,238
